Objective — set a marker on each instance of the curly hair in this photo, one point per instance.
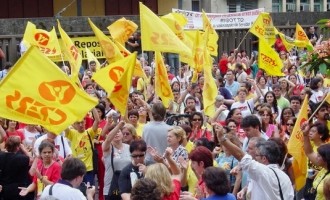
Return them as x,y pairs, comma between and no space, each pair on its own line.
145,188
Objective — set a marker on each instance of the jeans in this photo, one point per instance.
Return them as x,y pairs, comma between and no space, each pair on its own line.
173,61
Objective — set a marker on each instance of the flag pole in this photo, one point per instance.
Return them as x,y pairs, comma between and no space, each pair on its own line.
318,107
242,40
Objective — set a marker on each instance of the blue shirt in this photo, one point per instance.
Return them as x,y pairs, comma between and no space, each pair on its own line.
233,88
228,196
227,163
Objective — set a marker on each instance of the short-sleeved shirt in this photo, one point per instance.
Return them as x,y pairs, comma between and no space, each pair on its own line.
81,146
246,107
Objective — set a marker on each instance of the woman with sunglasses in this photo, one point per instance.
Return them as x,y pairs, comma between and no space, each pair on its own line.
134,170
286,114
290,125
196,122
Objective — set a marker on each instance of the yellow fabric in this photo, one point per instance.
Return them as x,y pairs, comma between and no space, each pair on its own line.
176,21
36,91
139,129
91,57
213,36
162,85
263,28
71,52
199,51
46,41
296,148
122,29
138,71
269,60
111,51
318,179
116,80
301,36
81,147
189,146
210,90
157,36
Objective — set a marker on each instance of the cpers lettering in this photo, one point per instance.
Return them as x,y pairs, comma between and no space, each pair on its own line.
86,44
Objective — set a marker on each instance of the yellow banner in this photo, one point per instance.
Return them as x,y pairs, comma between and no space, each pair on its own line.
46,41
47,96
210,90
269,60
263,28
213,37
122,29
116,80
296,148
157,36
162,85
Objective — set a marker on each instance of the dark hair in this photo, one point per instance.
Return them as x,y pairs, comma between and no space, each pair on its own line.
191,117
282,147
158,111
92,62
318,106
133,112
231,113
324,151
44,144
215,179
12,143
145,188
248,85
72,168
282,115
239,66
276,86
87,85
138,145
270,150
202,154
190,98
251,121
274,104
314,82
205,143
7,124
8,65
322,130
186,128
101,107
295,98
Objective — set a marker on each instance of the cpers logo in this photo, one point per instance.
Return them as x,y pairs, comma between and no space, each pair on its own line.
42,38
115,74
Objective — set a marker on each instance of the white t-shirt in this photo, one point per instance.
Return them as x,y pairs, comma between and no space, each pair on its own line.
58,145
246,107
30,137
63,192
317,96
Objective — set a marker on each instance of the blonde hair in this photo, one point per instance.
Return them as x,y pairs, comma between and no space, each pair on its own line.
131,129
160,174
178,132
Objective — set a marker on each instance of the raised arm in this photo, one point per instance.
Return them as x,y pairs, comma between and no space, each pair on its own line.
96,120
176,172
107,142
217,113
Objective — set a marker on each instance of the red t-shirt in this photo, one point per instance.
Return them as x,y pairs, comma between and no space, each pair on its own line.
175,195
15,133
53,172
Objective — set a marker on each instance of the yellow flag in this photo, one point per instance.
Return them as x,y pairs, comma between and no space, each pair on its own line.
176,21
138,71
71,52
263,28
91,57
116,80
198,51
157,36
213,37
302,37
111,52
122,29
162,85
210,90
46,96
296,148
46,41
269,60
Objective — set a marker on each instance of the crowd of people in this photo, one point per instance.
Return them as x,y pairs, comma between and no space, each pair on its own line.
155,153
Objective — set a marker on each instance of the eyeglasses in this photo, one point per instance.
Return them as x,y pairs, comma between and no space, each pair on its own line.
138,156
289,124
197,119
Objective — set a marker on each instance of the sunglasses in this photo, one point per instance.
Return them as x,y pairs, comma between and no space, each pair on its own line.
288,124
138,156
126,133
199,119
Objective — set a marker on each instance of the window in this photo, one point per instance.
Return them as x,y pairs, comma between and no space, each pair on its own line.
195,5
241,5
317,6
276,6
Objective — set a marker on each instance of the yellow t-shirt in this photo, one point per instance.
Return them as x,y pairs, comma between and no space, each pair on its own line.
139,129
189,146
319,182
81,147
